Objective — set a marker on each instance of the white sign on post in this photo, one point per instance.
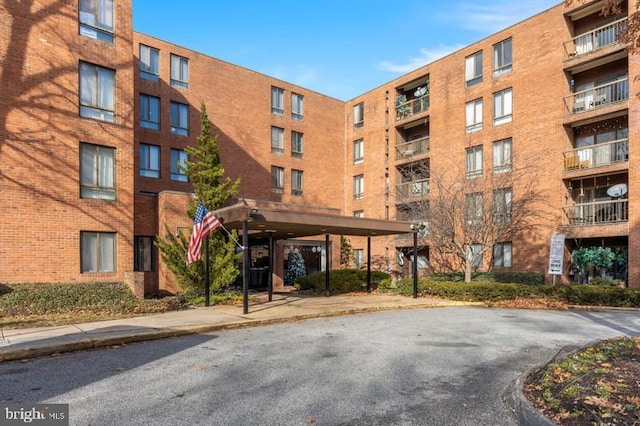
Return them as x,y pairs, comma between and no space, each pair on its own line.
556,254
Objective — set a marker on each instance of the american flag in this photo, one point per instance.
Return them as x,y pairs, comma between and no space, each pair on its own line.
204,223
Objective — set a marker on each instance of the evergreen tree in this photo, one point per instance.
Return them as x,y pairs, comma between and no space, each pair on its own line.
295,268
212,188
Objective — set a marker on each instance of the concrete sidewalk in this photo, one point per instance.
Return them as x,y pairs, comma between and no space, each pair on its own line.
26,343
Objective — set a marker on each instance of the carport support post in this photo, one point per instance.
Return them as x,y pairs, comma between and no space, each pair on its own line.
245,267
415,265
271,263
368,264
327,266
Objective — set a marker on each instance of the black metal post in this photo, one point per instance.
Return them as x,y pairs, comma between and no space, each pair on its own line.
415,265
207,279
327,266
368,264
271,263
245,267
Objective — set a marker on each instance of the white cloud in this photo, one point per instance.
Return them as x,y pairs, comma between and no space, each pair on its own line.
425,57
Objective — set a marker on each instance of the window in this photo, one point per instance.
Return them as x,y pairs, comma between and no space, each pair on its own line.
97,92
358,258
358,115
297,106
502,156
97,172
149,63
358,187
179,72
179,160
475,254
502,58
149,112
502,205
502,255
96,19
473,69
143,254
149,161
358,213
179,119
297,182
474,209
277,100
502,107
277,179
297,144
358,151
277,140
474,161
474,115
98,251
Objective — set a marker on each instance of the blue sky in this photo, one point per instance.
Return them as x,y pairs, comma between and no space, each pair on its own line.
338,48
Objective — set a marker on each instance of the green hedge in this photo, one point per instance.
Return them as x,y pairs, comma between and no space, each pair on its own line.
532,278
341,281
576,294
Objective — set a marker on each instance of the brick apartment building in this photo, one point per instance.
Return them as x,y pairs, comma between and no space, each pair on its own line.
95,117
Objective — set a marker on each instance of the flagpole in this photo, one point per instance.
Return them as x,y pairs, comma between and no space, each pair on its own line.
231,236
207,281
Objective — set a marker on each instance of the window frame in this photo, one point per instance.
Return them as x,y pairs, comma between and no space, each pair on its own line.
297,182
502,61
277,179
503,156
473,69
146,159
503,105
358,213
358,115
91,262
474,208
144,253
297,106
476,248
179,111
473,115
277,100
358,258
358,187
297,144
502,205
499,258
277,140
89,20
150,71
474,158
96,187
148,101
91,77
358,151
178,157
179,71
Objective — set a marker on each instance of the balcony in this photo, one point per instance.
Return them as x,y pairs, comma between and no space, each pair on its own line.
595,40
407,191
406,109
598,97
598,212
412,148
600,155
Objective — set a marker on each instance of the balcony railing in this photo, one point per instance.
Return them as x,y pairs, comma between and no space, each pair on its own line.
598,96
408,190
598,212
412,148
412,107
603,154
595,39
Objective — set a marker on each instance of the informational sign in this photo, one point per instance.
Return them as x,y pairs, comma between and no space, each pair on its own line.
556,254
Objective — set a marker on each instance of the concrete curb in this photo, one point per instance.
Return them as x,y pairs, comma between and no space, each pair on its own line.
521,408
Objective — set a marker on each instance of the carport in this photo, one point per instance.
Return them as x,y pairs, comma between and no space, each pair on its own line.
274,221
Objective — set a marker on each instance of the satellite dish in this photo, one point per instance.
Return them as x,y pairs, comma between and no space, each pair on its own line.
420,91
617,190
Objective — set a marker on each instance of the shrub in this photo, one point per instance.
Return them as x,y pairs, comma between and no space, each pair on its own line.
533,278
341,281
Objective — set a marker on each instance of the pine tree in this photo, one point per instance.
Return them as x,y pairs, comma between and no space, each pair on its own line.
295,268
212,188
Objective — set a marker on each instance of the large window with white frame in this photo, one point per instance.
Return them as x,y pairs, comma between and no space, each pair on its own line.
502,156
277,140
473,69
358,151
358,213
277,100
474,161
358,258
475,254
474,208
502,57
502,200
149,63
149,112
358,187
502,106
149,161
297,144
179,118
297,182
277,179
179,71
473,115
97,251
297,106
358,115
502,255
96,19
178,165
97,172
97,92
